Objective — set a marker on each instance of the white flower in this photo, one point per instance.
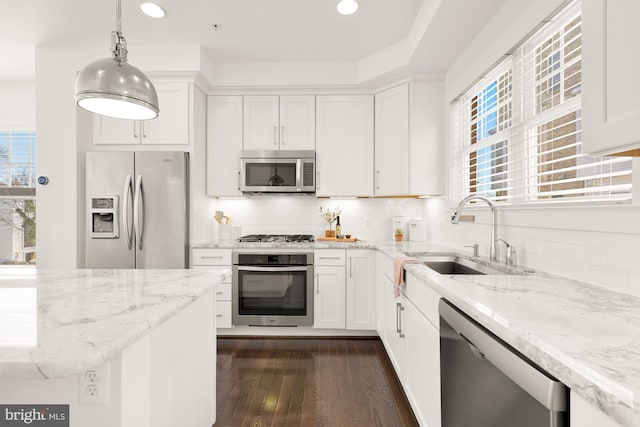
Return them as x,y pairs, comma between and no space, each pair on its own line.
329,214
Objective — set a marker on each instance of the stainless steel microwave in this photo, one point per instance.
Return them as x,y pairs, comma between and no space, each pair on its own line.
282,171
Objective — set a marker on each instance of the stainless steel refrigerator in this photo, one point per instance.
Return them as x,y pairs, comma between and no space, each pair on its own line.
137,209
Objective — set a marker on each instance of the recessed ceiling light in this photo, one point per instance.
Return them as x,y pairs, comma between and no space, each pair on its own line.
347,7
151,9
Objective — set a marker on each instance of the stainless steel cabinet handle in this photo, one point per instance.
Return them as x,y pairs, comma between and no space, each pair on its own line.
377,180
401,332
219,315
128,232
135,134
219,292
142,126
317,284
328,257
398,317
238,180
275,135
138,211
211,257
282,135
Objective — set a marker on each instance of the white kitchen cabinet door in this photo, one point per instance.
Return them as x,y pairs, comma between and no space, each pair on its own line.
261,124
610,64
585,414
224,143
172,124
392,141
170,127
426,172
297,122
361,290
422,375
344,145
329,298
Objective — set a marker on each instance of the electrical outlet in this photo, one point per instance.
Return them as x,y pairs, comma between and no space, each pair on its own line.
94,385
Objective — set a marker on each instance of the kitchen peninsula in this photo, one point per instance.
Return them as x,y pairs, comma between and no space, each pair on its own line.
120,347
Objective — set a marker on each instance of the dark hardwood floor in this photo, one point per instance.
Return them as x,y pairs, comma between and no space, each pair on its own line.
308,382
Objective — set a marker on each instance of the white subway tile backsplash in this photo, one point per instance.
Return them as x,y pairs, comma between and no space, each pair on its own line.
618,241
591,255
623,260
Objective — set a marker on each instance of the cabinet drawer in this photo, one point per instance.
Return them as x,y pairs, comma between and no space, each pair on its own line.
223,314
424,298
211,257
329,257
223,292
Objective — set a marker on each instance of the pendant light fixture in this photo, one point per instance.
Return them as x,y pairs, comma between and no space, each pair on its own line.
347,7
113,87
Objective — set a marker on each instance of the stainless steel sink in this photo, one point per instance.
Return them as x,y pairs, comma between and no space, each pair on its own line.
448,263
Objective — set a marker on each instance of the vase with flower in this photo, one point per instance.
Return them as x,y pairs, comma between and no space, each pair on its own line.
330,215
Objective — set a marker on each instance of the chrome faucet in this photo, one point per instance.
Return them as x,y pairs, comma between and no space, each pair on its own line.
493,249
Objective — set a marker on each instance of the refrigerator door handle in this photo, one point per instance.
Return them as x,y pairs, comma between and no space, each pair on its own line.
128,232
138,211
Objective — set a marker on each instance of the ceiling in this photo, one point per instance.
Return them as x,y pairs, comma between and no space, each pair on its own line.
249,30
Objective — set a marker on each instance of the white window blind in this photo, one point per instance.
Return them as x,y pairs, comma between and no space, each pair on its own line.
516,134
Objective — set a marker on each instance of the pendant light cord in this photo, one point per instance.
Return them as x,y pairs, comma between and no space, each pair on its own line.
118,43
118,17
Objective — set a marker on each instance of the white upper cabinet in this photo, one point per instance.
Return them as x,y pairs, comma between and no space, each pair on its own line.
297,122
610,63
344,145
392,141
409,139
224,142
279,122
170,127
426,149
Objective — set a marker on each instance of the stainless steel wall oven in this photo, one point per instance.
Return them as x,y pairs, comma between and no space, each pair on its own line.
272,287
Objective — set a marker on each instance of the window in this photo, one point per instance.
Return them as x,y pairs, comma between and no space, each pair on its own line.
516,134
17,197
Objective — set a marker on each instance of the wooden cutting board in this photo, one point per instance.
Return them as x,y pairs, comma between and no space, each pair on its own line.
335,239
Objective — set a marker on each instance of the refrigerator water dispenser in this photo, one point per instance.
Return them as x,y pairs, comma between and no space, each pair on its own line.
104,219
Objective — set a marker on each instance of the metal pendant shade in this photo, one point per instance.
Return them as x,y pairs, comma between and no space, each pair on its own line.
115,88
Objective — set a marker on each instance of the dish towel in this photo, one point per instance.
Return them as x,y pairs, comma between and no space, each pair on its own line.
398,272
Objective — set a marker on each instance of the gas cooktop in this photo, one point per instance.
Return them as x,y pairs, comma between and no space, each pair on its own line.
300,238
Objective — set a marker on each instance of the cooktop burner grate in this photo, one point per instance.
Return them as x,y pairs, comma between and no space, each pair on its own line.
298,238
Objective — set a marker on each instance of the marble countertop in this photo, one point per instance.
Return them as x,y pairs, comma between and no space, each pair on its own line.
55,323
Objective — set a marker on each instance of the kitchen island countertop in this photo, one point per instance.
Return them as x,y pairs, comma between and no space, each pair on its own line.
56,323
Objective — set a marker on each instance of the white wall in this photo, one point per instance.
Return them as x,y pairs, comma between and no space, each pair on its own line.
595,244
18,105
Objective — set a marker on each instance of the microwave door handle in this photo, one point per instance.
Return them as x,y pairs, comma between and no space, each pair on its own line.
299,174
138,212
126,224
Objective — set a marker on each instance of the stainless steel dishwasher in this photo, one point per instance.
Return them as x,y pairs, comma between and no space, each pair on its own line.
486,383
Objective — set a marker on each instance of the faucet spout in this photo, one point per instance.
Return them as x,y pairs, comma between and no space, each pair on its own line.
493,248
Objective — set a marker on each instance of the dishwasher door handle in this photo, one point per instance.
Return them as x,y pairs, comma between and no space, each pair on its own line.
547,390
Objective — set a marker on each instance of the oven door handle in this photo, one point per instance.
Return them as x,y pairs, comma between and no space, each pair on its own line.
278,269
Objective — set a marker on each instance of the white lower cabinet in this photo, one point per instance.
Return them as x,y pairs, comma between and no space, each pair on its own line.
584,414
412,340
361,295
329,298
344,289
217,258
422,366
